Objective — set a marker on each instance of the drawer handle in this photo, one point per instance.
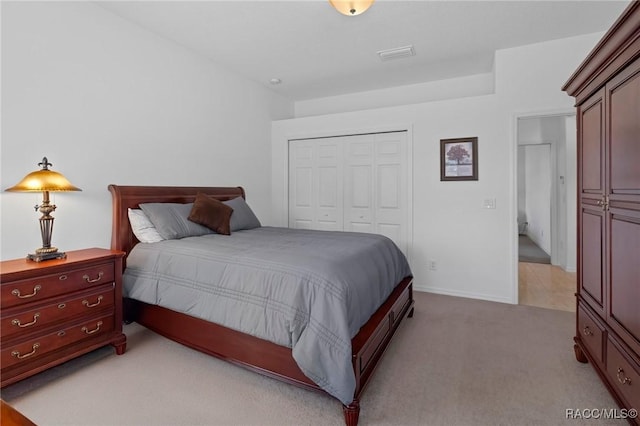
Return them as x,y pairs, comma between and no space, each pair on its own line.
625,380
33,352
587,331
36,289
95,330
35,319
90,281
62,277
91,305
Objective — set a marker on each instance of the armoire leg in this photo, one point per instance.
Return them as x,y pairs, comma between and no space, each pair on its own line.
580,356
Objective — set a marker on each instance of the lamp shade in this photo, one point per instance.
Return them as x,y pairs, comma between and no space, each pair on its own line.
351,7
43,180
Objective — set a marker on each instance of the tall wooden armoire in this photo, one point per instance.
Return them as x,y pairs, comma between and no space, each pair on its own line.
607,91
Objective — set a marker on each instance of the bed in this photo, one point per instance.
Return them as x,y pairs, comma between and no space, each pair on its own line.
251,350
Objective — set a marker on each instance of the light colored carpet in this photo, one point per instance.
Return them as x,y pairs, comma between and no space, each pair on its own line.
456,362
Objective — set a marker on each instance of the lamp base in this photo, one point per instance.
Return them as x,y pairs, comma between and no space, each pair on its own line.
39,257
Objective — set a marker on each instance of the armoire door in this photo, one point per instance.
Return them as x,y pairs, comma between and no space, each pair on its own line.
623,218
591,187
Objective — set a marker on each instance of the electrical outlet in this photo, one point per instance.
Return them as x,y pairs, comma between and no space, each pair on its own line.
433,265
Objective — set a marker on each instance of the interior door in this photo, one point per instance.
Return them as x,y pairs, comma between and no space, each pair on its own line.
391,187
359,207
302,212
315,184
328,184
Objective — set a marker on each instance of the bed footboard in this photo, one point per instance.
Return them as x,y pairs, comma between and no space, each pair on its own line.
276,361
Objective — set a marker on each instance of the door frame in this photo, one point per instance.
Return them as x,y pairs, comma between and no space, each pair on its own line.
513,208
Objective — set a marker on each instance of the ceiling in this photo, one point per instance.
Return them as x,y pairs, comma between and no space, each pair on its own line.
317,52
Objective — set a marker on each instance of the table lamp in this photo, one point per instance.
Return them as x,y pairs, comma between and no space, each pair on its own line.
45,181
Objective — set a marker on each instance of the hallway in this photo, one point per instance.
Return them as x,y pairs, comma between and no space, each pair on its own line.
529,251
546,286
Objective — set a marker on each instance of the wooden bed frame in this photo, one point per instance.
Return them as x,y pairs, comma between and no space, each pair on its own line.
242,349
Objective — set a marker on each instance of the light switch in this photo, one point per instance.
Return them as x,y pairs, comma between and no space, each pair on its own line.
489,203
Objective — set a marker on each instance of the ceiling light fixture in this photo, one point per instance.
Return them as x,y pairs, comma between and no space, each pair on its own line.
275,81
396,53
351,7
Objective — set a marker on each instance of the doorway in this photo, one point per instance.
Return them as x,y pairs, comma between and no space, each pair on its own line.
546,200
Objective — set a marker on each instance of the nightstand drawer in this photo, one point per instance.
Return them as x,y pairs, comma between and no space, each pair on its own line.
33,290
19,321
35,347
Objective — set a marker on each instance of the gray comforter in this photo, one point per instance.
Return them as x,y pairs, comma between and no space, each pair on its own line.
307,290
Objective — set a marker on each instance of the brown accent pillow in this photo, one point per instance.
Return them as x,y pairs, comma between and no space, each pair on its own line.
211,213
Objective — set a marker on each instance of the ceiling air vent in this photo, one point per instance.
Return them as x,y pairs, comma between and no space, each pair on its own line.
397,53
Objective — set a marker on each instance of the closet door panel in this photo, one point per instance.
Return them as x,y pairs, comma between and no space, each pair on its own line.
329,184
391,184
359,184
301,186
329,202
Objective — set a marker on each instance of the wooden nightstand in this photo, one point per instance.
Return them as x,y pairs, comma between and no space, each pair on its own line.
56,310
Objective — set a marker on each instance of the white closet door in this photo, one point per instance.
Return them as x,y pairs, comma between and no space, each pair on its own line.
329,184
315,184
391,187
359,201
301,176
354,183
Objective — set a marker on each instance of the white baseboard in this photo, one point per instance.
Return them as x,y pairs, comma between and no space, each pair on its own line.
469,295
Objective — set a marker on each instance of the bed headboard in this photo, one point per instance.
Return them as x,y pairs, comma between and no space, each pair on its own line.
125,197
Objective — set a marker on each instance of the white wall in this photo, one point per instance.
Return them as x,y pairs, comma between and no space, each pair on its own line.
461,87
475,248
108,102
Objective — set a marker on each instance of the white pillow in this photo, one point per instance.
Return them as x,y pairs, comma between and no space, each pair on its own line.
142,227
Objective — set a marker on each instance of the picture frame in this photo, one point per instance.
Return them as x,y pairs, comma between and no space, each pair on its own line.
459,159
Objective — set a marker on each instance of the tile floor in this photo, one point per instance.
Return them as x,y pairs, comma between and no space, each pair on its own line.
546,286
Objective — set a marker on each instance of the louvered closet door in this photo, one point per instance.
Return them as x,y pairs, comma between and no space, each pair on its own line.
352,183
315,184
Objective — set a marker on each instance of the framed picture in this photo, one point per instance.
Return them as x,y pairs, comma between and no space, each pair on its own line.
459,159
